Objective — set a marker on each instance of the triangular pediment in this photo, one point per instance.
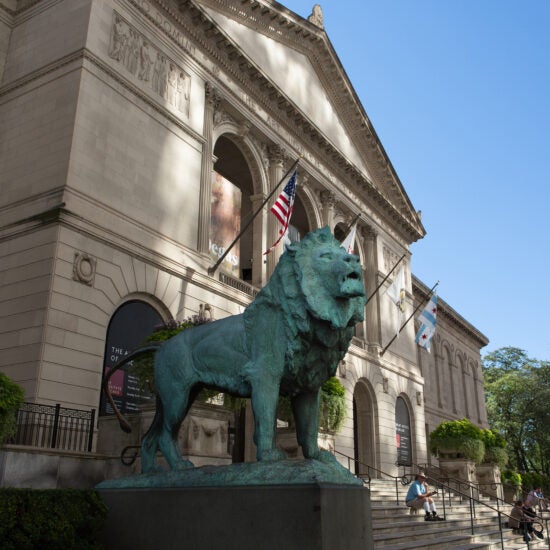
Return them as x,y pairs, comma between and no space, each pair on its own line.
293,73
298,60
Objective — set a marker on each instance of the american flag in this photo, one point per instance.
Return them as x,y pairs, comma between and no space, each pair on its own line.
282,209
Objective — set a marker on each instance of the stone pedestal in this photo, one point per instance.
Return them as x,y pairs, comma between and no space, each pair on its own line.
463,470
488,477
271,517
203,436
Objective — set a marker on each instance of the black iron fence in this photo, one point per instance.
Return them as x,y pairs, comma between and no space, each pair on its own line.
54,427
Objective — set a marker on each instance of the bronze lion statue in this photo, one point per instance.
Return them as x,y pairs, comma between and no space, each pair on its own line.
288,341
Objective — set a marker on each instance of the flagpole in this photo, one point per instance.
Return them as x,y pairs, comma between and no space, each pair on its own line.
405,323
385,278
213,268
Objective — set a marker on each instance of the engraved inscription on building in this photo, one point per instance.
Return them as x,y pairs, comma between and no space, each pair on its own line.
141,59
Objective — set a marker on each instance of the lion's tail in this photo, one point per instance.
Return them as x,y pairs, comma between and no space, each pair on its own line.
153,346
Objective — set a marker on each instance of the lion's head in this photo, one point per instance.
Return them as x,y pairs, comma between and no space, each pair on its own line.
317,275
330,278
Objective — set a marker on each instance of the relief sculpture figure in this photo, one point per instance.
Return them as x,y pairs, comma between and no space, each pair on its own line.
288,341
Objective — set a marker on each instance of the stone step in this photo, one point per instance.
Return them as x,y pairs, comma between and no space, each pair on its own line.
394,528
404,525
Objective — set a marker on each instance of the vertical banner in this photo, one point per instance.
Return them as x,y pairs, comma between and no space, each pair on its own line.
403,433
129,326
225,222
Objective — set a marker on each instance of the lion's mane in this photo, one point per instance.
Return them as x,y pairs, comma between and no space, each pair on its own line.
318,326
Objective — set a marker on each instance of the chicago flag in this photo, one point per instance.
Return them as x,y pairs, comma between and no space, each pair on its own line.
428,319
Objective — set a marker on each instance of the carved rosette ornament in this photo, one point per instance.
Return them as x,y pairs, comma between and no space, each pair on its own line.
84,268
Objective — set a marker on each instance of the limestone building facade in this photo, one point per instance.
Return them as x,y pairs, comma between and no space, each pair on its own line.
122,122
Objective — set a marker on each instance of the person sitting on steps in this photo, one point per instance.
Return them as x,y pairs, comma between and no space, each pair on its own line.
521,519
419,497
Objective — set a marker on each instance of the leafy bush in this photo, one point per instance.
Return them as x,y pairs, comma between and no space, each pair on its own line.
55,519
458,438
332,407
511,478
11,398
495,448
530,480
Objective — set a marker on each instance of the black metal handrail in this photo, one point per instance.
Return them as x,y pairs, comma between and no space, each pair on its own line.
54,427
445,486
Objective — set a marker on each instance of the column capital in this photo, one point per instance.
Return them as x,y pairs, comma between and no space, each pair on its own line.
328,198
368,232
212,95
276,154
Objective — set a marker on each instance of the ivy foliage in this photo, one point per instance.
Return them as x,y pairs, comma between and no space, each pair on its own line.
11,398
57,519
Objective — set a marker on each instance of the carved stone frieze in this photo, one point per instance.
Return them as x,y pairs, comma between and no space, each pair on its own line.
138,57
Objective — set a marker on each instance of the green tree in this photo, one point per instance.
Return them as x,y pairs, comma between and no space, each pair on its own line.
517,390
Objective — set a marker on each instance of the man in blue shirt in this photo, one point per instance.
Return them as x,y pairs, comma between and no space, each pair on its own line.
418,497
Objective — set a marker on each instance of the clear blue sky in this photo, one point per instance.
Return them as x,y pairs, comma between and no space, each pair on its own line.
459,94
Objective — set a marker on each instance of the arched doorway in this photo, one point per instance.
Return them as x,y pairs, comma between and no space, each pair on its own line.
131,323
364,427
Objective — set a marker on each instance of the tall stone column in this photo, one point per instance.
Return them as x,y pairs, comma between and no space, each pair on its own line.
371,281
328,202
276,172
212,101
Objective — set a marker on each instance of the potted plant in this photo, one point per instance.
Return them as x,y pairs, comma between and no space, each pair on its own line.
511,482
458,439
495,458
495,448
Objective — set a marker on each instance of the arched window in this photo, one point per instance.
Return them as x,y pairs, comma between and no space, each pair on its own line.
232,189
403,433
131,323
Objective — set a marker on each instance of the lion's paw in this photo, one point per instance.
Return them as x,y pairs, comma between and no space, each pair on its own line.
326,456
184,465
271,455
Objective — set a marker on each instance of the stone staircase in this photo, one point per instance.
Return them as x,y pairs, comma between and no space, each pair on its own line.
395,528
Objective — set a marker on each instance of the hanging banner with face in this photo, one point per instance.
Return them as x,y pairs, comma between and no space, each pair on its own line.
225,222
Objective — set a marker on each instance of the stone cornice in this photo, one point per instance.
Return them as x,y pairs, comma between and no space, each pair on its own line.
421,293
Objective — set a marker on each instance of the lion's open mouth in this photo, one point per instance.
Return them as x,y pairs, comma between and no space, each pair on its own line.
352,285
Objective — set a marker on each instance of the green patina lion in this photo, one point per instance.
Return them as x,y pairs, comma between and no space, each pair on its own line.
289,341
